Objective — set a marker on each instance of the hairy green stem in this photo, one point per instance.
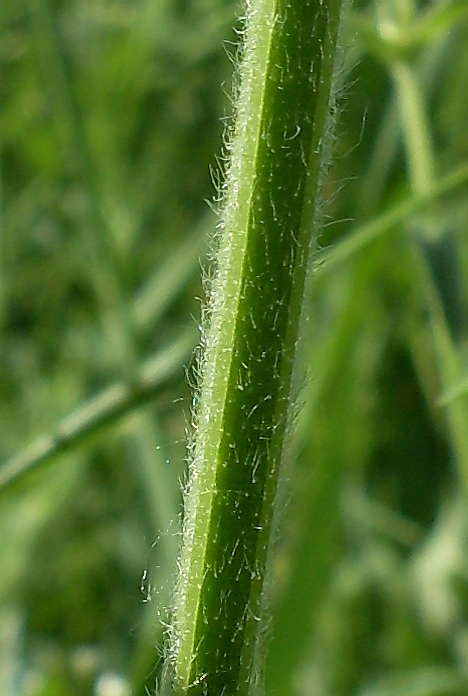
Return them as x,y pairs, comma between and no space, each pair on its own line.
243,406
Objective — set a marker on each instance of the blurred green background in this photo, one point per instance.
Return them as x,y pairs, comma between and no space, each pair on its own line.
111,127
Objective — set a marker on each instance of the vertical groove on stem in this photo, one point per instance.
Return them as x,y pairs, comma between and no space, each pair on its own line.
244,401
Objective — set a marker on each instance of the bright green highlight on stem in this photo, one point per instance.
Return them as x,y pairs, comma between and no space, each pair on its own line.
244,402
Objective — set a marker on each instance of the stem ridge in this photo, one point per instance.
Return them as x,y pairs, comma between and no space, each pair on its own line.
243,406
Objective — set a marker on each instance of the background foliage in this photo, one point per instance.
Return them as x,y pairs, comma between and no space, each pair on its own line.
111,120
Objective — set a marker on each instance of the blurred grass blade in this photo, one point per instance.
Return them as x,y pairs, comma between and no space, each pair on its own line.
428,682
454,392
159,487
324,463
359,239
155,296
440,281
443,260
103,410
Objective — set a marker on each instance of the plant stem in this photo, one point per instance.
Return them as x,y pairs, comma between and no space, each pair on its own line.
429,234
117,401
358,239
243,406
421,168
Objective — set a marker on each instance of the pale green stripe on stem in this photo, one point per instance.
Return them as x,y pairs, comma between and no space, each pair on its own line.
243,405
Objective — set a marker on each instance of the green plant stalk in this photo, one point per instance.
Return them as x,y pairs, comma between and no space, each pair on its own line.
419,155
358,239
103,410
421,174
243,406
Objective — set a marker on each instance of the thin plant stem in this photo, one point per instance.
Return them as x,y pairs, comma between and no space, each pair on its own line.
429,230
357,240
419,155
103,410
